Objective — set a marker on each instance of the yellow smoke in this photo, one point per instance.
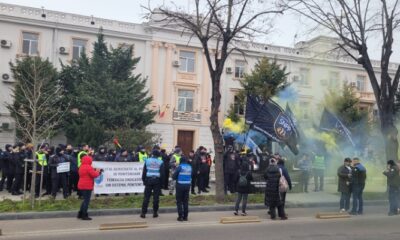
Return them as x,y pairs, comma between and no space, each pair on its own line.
327,138
236,127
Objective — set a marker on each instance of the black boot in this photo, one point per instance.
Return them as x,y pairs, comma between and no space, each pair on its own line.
86,217
155,215
79,215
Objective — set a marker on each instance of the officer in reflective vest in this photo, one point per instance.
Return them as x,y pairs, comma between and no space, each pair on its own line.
152,176
183,177
173,163
42,164
142,156
81,154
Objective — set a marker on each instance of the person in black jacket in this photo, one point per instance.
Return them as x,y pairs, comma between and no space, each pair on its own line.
243,188
6,169
165,159
101,155
272,194
359,176
192,160
73,180
344,184
18,163
58,177
284,171
231,168
393,185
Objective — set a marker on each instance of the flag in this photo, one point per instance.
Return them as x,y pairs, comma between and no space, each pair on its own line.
162,113
296,123
331,123
269,118
116,142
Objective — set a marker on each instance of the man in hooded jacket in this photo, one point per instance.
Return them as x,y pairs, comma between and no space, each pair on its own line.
58,177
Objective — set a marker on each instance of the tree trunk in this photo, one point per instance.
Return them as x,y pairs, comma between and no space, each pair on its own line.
34,172
389,132
218,140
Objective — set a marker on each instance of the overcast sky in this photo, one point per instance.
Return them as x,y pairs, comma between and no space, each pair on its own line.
285,28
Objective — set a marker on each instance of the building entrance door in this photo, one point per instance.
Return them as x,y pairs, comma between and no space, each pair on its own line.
185,141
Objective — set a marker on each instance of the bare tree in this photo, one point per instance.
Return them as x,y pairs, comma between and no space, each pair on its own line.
219,25
36,107
355,22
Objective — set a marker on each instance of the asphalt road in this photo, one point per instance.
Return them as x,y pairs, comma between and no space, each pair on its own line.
302,224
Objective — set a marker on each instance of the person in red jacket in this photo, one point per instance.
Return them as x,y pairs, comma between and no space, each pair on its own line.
87,174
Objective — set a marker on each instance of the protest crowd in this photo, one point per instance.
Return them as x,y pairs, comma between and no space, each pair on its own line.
181,175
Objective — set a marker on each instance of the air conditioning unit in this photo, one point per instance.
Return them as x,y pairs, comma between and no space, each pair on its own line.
5,43
6,77
229,70
64,50
295,78
176,63
353,84
7,126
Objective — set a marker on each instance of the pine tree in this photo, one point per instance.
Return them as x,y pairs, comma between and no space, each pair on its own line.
105,92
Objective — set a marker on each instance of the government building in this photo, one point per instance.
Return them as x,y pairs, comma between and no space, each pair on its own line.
178,77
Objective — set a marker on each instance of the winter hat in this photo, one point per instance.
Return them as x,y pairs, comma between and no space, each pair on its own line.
272,161
58,150
183,159
155,153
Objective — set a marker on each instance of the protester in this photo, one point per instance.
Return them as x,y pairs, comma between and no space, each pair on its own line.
87,174
57,177
359,175
283,170
183,178
192,160
19,155
243,188
73,180
5,169
344,185
231,168
123,157
272,194
152,178
173,164
101,155
165,159
393,185
203,171
319,171
305,166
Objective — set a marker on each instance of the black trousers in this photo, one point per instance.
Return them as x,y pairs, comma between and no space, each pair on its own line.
56,180
151,188
16,186
165,183
230,182
4,174
194,183
201,181
47,180
38,177
85,203
10,180
281,211
73,182
182,199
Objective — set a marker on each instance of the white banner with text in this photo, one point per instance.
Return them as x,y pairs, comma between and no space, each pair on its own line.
119,177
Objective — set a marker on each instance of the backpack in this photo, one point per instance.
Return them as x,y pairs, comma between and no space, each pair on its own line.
243,181
283,184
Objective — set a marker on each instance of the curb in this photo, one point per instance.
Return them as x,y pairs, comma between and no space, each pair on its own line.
137,211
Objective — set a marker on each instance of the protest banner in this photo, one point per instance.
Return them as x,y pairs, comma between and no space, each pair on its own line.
119,177
63,167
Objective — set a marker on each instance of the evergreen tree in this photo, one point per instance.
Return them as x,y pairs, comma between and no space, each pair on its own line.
105,94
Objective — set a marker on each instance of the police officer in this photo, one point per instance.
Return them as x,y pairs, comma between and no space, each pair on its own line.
173,164
183,177
6,169
82,153
141,155
152,178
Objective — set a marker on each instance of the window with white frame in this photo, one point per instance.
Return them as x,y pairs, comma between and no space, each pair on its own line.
333,81
185,100
187,61
305,110
30,43
361,83
238,106
304,77
78,48
239,68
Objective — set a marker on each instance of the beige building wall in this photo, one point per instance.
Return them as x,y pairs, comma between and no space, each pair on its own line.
160,49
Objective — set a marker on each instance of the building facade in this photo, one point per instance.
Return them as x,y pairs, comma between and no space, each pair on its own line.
176,68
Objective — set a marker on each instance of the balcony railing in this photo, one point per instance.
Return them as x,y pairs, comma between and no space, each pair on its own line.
186,116
366,96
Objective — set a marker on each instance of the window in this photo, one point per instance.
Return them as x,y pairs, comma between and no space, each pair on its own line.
239,69
30,43
186,60
360,83
305,109
333,81
78,48
185,100
304,77
238,106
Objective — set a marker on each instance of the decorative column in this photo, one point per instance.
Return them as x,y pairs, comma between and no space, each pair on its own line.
168,85
154,80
